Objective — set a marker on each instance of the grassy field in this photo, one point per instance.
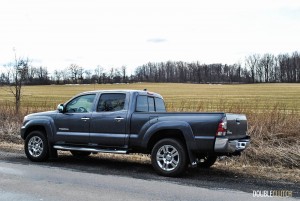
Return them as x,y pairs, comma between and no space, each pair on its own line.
273,113
179,97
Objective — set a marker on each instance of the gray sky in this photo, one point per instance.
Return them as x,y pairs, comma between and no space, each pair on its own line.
112,33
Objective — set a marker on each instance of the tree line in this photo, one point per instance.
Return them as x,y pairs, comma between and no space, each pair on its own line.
256,68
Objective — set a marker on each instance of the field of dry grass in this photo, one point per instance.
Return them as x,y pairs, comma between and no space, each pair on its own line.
187,97
273,112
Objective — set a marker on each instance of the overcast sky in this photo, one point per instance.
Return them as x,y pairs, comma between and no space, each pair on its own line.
112,33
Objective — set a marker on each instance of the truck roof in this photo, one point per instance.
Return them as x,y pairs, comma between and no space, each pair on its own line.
140,92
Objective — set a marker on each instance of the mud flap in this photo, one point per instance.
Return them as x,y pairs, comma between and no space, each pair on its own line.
193,159
52,152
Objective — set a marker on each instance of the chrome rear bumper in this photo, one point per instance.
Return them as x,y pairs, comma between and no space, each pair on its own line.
224,145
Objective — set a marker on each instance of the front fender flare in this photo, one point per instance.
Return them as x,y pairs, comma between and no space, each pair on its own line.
46,122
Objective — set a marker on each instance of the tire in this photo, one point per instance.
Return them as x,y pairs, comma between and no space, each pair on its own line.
207,161
169,157
80,153
36,146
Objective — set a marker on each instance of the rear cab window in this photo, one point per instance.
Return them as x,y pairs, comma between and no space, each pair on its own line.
149,104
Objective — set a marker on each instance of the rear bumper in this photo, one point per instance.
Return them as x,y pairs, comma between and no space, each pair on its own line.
224,145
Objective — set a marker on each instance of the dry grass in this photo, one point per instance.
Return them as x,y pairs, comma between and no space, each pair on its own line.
10,125
273,112
255,97
275,139
278,173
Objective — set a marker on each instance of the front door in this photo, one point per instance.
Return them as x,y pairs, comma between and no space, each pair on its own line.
73,125
108,123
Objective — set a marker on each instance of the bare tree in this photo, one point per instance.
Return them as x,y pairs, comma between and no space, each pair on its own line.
123,69
98,72
88,74
74,71
19,73
252,62
58,74
80,74
296,66
32,71
267,62
5,77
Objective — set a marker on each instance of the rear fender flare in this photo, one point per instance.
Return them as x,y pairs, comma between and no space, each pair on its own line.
184,127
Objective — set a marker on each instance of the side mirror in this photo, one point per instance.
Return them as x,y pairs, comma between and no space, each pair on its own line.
60,108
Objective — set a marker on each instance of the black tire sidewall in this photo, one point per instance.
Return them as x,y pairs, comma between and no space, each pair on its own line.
179,170
45,153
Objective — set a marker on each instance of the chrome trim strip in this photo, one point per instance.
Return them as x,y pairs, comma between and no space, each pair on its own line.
61,147
204,137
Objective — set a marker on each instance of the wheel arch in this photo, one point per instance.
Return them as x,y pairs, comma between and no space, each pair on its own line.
43,124
46,126
165,133
176,129
34,128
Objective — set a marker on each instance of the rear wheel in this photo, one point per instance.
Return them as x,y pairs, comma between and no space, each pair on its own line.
207,161
169,157
81,153
36,146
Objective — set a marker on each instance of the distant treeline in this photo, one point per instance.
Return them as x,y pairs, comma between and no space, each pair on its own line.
255,69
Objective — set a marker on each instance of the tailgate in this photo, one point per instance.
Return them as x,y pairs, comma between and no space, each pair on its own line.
236,126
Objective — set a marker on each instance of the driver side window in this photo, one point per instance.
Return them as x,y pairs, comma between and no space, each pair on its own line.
81,104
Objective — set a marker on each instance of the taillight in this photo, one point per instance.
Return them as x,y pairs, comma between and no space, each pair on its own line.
222,127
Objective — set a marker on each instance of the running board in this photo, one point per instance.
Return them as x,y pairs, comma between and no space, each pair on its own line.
69,148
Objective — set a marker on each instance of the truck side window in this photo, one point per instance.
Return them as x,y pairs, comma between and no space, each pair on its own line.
81,104
111,102
142,104
151,104
160,105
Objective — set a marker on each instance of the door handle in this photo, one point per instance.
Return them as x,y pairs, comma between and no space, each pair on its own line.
119,119
85,118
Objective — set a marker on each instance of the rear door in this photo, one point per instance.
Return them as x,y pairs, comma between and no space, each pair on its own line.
146,111
108,124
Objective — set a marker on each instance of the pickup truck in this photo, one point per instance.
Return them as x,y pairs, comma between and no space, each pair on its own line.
134,121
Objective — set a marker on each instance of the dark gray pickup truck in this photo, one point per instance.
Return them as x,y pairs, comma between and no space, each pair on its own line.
134,121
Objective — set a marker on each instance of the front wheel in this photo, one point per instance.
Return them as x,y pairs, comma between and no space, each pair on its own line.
36,146
169,157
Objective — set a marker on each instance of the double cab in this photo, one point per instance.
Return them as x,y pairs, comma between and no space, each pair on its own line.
134,121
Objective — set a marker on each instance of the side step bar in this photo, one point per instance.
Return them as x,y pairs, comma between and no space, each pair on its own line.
70,148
